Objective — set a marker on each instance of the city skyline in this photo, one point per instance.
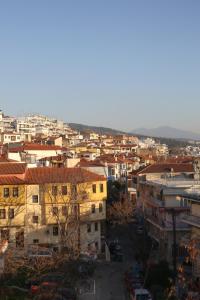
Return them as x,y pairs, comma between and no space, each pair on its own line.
118,65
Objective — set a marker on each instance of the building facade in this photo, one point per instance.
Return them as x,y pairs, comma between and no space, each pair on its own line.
49,207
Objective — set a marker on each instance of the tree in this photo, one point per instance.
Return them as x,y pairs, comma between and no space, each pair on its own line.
63,207
12,206
121,211
64,210
114,190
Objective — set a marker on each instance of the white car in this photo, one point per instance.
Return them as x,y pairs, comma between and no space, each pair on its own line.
141,294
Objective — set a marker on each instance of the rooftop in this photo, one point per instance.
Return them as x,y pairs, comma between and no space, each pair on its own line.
175,182
9,168
60,175
36,147
167,168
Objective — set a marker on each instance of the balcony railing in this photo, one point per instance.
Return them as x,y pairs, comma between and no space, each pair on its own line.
162,204
192,220
166,224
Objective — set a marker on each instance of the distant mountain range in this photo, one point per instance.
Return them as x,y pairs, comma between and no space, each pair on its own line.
97,129
167,132
172,140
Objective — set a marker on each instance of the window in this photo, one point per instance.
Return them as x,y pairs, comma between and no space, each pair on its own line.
2,213
15,192
35,199
101,187
64,211
84,195
94,188
135,180
64,190
6,192
35,241
88,227
96,226
100,207
55,230
11,213
54,190
5,234
93,208
55,249
35,219
55,211
183,202
97,245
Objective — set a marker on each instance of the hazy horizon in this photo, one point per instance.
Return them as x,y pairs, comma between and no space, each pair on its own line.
102,125
117,64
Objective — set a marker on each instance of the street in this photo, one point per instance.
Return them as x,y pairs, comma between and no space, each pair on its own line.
109,276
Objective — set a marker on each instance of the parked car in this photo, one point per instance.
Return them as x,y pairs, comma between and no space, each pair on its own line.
88,258
46,282
33,284
134,279
116,251
140,294
131,277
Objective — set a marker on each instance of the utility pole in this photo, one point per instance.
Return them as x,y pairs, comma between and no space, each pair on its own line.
174,243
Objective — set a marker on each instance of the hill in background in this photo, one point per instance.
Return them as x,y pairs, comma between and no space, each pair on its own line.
97,129
168,132
171,142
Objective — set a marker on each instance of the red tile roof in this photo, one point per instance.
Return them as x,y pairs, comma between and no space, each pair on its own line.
138,171
178,159
60,175
168,168
128,146
12,168
58,158
36,147
11,180
86,163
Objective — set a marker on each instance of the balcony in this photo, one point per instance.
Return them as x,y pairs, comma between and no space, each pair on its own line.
157,203
192,220
167,225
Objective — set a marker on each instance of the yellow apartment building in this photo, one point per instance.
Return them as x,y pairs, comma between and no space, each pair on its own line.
51,207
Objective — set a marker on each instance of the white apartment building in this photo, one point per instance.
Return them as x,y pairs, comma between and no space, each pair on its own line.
41,125
6,123
8,137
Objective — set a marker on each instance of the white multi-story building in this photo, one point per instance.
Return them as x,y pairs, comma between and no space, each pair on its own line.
6,123
41,125
9,137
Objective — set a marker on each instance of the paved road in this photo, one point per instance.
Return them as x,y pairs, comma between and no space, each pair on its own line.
109,283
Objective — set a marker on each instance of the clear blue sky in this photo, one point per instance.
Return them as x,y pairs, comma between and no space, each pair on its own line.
122,64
